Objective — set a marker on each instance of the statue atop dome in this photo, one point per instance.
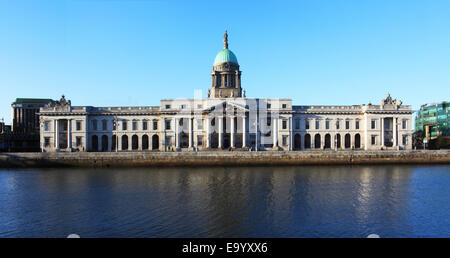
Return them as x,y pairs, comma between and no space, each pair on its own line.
225,40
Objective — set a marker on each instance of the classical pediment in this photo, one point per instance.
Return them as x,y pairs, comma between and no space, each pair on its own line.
229,106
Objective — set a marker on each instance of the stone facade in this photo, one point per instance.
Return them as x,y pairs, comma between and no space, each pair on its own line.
225,120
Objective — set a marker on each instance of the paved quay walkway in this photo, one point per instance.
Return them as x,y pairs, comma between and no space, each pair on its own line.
221,158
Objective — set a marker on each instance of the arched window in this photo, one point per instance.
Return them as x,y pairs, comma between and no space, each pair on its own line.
297,142
94,143
347,140
155,142
338,141
307,141
124,142
357,141
134,142
317,143
327,141
145,142
104,142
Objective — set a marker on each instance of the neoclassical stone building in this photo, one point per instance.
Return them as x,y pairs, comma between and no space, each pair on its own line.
226,119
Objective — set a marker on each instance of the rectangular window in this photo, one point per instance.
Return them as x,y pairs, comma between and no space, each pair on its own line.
199,140
78,141
94,125
404,139
168,140
285,140
268,106
114,124
182,106
78,126
327,124
46,141
124,125
357,124
134,125
167,106
373,124
347,124
269,121
104,125
317,124
374,139
404,124
46,126
283,105
284,125
337,124
167,124
144,125
155,125
199,124
306,124
297,123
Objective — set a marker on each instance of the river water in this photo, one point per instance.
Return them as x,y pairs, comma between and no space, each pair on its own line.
328,201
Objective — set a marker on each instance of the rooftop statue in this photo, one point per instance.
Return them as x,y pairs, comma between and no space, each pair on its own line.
225,40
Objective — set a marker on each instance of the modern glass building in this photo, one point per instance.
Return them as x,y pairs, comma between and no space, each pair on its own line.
432,120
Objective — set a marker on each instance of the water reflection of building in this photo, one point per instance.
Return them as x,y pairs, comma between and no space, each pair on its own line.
226,119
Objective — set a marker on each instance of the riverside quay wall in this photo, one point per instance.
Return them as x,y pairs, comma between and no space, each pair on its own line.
220,158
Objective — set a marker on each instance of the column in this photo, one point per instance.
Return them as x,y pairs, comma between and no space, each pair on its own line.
177,140
275,132
110,143
110,147
366,134
69,134
130,142
119,142
220,131
257,132
290,133
56,134
86,140
382,131
190,133
163,135
352,141
332,141
302,141
232,132
100,142
207,139
244,132
394,127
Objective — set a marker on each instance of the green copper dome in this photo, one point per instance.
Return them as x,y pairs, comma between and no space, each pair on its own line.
225,56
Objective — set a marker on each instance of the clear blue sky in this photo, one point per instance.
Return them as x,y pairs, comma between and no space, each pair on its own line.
116,53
